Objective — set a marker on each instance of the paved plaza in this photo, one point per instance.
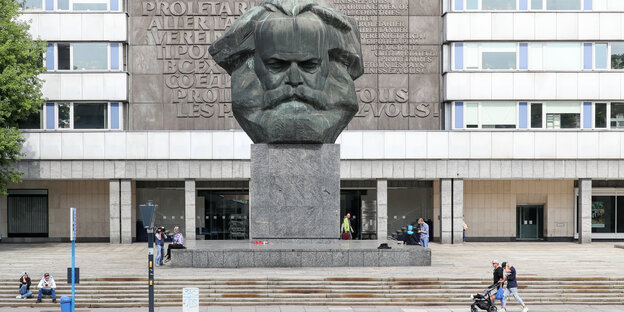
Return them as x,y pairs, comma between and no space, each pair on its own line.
470,260
550,308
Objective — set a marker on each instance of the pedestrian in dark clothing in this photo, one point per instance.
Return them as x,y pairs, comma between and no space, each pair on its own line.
24,288
497,277
512,287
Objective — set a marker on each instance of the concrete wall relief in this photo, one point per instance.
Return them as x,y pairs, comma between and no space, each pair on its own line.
175,84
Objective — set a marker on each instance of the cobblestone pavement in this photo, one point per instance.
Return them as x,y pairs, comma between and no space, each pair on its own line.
550,308
471,260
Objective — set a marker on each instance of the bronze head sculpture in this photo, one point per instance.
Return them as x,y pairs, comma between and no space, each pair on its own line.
293,63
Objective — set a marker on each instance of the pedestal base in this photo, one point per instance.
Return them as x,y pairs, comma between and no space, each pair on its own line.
294,192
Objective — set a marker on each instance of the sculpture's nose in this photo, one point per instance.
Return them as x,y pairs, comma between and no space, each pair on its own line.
293,78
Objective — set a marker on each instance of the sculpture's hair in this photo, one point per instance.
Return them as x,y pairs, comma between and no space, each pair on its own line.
237,44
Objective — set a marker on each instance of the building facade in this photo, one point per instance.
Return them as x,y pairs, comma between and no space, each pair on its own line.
505,112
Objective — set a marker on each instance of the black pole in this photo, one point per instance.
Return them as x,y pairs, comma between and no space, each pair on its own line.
150,268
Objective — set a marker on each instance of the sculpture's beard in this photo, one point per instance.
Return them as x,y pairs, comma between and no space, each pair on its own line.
293,115
283,94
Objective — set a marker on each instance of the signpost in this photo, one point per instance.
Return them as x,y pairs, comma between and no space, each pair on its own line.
148,212
72,222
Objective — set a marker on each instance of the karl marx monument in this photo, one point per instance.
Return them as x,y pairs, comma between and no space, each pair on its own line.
293,63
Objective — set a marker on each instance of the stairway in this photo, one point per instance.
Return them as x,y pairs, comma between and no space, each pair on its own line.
132,292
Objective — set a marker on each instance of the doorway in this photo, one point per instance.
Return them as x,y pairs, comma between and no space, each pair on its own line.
27,213
530,222
351,202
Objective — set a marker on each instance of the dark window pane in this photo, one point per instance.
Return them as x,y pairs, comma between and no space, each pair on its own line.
90,116
617,55
64,121
536,115
617,115
63,55
603,214
620,214
569,121
601,115
31,122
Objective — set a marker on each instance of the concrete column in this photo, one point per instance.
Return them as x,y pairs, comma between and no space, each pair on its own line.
584,207
446,211
189,209
126,211
113,202
382,210
458,210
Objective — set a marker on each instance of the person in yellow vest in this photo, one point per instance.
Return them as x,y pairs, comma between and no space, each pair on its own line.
346,227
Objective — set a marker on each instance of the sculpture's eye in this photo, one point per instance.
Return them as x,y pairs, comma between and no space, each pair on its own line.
311,65
277,65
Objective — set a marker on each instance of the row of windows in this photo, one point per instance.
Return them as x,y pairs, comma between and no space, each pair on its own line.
538,5
68,115
84,56
538,55
538,115
70,5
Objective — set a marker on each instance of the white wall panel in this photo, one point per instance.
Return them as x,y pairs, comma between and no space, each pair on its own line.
85,86
110,26
444,145
94,145
519,26
533,86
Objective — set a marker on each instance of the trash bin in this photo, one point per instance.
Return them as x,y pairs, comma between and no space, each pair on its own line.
66,304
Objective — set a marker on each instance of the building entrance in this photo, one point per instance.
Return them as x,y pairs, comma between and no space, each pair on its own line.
530,222
226,214
27,213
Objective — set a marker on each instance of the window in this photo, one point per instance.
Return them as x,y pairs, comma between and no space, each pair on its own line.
33,121
471,56
562,56
472,115
472,4
90,56
563,115
63,116
498,115
90,116
617,55
600,115
603,214
617,115
89,5
563,4
64,56
601,56
498,4
536,115
498,55
31,5
537,4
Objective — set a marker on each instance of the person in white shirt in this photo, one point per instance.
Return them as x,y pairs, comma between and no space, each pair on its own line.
46,287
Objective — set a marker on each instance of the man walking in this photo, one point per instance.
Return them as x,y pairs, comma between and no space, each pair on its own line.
46,287
498,277
512,287
423,229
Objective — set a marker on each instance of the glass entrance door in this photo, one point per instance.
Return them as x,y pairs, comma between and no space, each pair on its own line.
529,220
226,214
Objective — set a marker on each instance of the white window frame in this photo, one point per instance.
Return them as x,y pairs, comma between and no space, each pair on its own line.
71,58
608,117
71,116
56,116
609,113
71,7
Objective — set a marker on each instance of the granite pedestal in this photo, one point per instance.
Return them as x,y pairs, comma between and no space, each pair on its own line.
244,254
294,192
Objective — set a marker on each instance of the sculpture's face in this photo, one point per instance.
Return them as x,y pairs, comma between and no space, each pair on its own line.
291,92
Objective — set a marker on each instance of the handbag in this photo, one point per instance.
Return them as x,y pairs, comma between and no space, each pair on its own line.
345,236
499,294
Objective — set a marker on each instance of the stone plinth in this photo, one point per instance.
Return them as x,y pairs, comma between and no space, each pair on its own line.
294,192
243,254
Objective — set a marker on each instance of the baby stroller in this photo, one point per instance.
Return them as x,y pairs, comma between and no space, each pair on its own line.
484,301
